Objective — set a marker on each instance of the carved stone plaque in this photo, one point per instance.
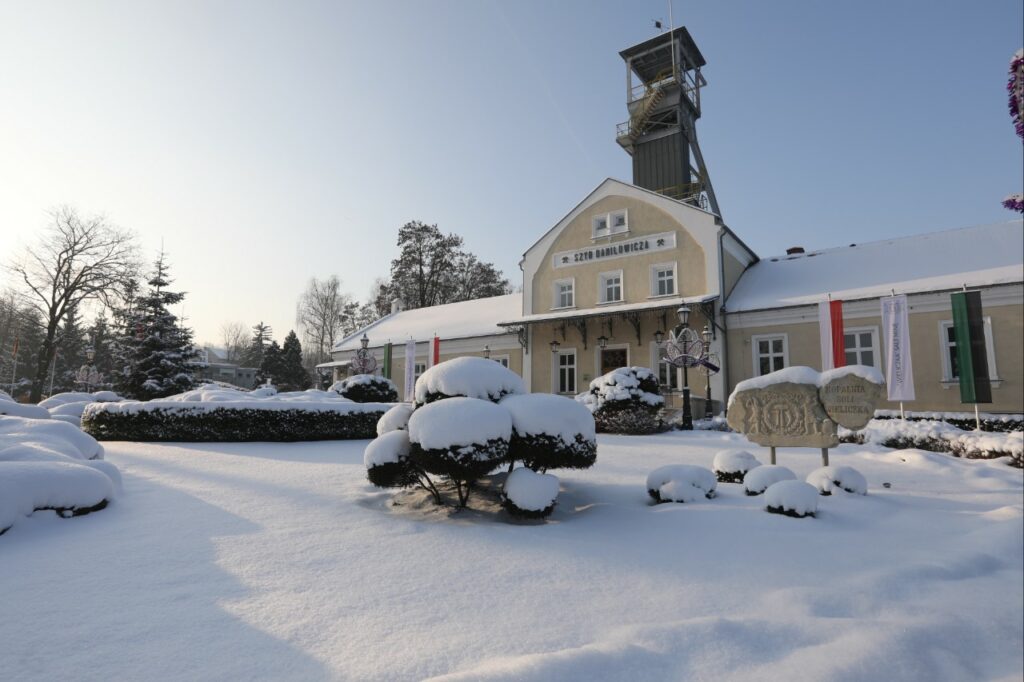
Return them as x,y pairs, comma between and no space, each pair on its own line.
850,400
783,415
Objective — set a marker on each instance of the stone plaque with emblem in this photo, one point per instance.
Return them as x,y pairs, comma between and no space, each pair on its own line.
850,400
783,415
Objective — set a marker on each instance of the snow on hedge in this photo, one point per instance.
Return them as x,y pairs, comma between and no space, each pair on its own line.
8,406
471,377
807,375
791,498
394,419
827,479
760,478
732,465
47,464
549,415
457,422
529,494
388,448
366,388
681,483
622,384
938,435
70,406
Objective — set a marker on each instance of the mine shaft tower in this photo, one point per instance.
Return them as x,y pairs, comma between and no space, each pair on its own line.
663,82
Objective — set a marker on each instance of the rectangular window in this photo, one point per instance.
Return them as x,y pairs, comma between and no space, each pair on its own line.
607,224
501,360
418,369
663,279
618,222
567,371
600,225
611,286
947,342
770,353
861,346
668,375
565,294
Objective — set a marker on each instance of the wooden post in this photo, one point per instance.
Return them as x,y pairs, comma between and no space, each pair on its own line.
824,457
773,453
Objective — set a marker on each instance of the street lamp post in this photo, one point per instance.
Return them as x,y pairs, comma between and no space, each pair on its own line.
708,412
684,321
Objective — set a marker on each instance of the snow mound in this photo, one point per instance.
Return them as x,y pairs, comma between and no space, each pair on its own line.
681,483
394,419
15,409
732,465
791,498
388,448
827,479
761,478
471,377
529,494
57,435
459,422
58,399
549,415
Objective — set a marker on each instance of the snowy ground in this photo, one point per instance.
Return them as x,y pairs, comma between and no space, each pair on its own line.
279,561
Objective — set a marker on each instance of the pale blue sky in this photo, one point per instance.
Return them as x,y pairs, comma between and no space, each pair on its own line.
267,142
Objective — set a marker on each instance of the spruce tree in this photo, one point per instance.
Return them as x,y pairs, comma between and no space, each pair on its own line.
253,355
270,367
71,344
100,335
294,376
154,351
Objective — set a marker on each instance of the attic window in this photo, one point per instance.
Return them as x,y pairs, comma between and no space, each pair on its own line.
615,222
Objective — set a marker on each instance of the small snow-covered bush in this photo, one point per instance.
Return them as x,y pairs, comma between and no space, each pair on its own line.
940,436
69,406
367,388
14,409
791,498
461,439
760,478
551,432
469,377
387,461
394,419
681,483
626,400
827,479
730,466
529,495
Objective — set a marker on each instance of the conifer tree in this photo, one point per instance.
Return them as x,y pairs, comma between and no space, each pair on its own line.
294,376
70,346
270,367
253,355
154,352
100,336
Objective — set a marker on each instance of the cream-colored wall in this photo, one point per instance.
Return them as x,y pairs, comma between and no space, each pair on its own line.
932,394
732,268
643,219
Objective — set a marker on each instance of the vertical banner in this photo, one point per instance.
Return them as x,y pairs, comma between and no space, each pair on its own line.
435,351
830,325
899,372
410,370
386,370
971,356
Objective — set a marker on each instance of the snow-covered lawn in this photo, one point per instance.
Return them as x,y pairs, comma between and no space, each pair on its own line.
280,561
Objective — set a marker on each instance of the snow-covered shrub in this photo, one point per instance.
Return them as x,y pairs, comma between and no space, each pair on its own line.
681,483
827,479
760,478
470,377
730,466
367,388
69,406
14,409
529,495
791,498
461,439
394,419
47,464
550,432
387,460
625,400
940,436
999,423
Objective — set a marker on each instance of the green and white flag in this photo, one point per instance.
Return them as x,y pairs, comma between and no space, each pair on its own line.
971,357
386,370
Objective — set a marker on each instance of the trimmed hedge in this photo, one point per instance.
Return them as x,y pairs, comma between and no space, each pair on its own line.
230,424
541,452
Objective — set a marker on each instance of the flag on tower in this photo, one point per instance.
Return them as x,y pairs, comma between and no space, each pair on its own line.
830,324
971,356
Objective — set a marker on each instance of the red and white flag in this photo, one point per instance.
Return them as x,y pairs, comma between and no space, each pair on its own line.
434,356
830,323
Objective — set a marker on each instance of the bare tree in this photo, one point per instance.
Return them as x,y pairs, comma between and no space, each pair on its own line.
235,338
75,261
325,313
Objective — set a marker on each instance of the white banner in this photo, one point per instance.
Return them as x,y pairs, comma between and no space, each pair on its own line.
825,328
410,370
899,372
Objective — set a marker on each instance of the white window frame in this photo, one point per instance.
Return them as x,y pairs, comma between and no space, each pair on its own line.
609,228
556,383
503,360
602,289
670,370
990,351
755,341
416,371
674,267
875,345
556,294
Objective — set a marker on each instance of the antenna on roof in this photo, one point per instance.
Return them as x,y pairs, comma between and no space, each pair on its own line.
657,24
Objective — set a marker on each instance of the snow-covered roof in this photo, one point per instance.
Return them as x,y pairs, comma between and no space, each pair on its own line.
975,256
450,321
610,309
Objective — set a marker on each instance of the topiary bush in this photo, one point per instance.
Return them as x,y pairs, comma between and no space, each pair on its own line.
791,498
395,419
529,495
550,432
367,388
627,400
681,483
730,466
830,478
761,478
468,377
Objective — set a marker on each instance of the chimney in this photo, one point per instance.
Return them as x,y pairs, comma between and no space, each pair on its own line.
396,305
794,250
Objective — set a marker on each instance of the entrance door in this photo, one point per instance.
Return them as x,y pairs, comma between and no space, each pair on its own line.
613,358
